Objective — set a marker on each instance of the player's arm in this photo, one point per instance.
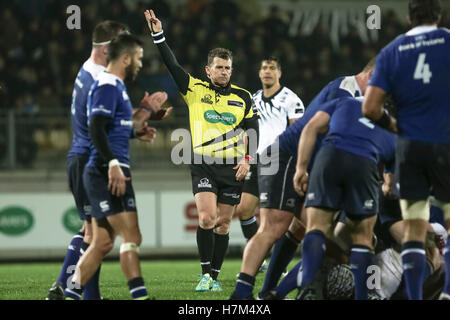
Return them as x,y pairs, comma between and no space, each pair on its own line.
316,126
372,108
99,137
251,126
180,76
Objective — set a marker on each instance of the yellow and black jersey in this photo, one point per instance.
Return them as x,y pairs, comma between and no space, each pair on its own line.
217,118
217,115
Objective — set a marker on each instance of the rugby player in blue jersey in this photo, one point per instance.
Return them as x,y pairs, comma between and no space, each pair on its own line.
78,155
415,70
344,177
278,200
106,176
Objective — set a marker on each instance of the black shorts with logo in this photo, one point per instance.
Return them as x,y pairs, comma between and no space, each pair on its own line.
74,168
251,181
423,169
341,180
276,189
103,202
219,179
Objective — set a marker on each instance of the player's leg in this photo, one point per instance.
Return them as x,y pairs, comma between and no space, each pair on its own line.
92,289
411,167
207,214
126,225
361,253
102,243
282,253
221,240
273,224
319,221
246,213
74,170
249,201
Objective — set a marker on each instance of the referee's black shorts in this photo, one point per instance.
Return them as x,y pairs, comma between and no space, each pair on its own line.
219,179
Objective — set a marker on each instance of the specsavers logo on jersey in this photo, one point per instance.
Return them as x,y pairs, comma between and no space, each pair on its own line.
15,221
214,117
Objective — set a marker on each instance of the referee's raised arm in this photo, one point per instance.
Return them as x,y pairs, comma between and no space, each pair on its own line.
176,70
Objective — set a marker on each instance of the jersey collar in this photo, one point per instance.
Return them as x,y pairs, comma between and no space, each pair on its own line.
420,29
267,99
221,90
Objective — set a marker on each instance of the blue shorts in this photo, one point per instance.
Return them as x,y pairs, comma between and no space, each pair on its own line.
74,168
423,169
103,202
341,180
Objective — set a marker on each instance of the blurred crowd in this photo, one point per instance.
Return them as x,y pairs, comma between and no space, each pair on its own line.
41,56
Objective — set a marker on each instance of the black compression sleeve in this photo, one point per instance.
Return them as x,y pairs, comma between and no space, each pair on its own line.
176,70
253,124
99,137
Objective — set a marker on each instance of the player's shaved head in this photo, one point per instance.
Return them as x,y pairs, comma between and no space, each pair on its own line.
107,30
124,43
424,12
370,66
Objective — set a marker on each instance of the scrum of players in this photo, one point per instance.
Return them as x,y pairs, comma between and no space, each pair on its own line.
363,179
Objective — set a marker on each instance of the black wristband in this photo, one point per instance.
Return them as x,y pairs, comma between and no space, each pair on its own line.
385,120
158,37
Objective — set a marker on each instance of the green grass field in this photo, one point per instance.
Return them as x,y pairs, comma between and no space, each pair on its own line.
165,280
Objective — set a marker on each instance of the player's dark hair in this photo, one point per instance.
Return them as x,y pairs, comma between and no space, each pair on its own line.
124,43
424,11
107,30
272,59
221,53
370,66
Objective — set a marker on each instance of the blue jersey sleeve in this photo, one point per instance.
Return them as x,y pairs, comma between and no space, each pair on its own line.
380,76
329,107
104,101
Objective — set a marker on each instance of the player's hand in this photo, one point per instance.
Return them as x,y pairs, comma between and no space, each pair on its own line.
154,24
155,102
242,169
301,181
117,181
146,134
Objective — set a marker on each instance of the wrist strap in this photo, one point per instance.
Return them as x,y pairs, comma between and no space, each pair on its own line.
158,37
113,162
146,108
385,120
248,157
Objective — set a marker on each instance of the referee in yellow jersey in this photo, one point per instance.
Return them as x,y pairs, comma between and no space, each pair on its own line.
219,113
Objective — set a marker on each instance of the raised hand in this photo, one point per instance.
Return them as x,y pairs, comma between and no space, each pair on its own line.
154,24
154,101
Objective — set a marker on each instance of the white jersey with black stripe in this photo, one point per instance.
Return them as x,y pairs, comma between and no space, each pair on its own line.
274,114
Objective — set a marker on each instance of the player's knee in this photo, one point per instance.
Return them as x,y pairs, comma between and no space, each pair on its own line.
206,221
104,246
412,210
244,211
223,226
129,247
